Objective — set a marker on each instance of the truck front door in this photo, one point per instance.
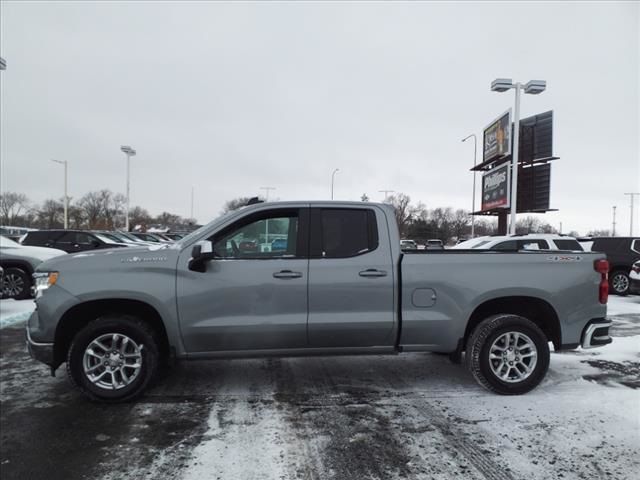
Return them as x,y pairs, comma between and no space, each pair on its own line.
253,294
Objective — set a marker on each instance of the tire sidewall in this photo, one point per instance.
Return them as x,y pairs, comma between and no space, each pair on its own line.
126,325
513,323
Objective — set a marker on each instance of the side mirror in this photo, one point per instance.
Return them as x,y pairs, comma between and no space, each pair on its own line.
200,253
95,244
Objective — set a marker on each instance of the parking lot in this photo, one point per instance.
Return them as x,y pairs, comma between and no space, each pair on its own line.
408,416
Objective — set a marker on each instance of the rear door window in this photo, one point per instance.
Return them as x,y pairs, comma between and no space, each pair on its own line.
343,232
508,245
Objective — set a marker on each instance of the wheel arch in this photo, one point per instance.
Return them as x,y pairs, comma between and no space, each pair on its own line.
74,319
537,310
22,264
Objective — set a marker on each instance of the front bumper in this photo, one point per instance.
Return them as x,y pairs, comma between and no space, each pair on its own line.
43,352
596,333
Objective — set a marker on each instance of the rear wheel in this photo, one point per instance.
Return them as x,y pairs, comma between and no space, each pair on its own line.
619,282
114,358
508,354
16,283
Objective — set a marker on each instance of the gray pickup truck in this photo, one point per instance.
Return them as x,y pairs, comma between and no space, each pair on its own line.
309,278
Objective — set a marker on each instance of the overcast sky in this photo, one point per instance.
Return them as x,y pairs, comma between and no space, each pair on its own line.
228,98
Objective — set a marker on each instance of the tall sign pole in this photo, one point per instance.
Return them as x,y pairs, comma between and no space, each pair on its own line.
632,198
514,162
613,229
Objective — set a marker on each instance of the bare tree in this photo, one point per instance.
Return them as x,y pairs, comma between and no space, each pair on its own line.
139,216
405,212
599,233
51,214
91,205
235,204
460,223
12,205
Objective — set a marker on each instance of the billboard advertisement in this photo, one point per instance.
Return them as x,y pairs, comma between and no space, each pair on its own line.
497,138
496,188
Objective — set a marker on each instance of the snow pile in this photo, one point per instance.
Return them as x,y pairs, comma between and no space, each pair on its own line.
13,311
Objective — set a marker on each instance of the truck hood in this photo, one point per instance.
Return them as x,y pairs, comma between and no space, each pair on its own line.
110,258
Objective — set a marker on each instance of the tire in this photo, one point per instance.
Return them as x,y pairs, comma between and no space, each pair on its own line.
108,383
491,337
619,282
16,284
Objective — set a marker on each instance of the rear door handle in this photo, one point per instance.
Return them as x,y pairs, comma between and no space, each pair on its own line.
372,272
286,274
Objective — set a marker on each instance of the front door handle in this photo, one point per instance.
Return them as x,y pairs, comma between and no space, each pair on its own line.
372,272
286,274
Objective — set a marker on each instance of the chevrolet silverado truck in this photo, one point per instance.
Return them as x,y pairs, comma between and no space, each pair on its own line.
338,283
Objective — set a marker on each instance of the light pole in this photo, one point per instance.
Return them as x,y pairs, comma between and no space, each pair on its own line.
333,177
613,229
473,199
129,152
66,197
632,198
532,87
266,222
386,193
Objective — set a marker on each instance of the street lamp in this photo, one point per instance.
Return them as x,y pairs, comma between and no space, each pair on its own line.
333,177
129,152
386,193
66,197
473,199
532,87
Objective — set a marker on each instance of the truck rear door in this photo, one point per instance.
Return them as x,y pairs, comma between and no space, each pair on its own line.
351,278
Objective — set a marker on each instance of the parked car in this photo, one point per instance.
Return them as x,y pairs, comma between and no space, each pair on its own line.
149,237
408,245
621,252
1,283
343,286
634,278
18,263
14,233
248,246
174,236
531,241
71,241
279,245
434,245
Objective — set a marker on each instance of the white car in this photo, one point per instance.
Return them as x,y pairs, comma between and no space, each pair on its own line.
531,241
19,262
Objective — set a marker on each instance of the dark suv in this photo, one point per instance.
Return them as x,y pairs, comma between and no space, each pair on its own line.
621,252
71,241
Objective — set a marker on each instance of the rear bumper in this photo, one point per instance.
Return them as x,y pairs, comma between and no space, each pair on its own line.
43,352
596,333
634,285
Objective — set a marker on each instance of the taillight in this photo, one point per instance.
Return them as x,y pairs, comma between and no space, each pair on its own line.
602,267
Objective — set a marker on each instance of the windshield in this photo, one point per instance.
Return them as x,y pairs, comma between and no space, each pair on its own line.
105,238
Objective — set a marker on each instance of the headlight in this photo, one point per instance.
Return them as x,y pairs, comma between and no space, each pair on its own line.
42,281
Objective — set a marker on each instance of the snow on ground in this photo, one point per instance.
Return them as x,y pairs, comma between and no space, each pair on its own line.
15,311
378,417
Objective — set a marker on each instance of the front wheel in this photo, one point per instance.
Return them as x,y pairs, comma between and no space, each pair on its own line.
508,354
16,283
619,283
113,359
